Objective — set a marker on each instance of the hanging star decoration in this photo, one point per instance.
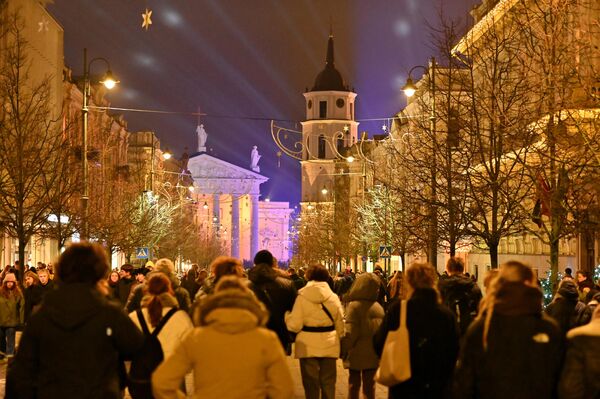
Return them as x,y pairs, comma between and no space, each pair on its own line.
43,25
146,19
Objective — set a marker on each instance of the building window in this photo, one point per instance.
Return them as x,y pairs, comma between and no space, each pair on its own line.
322,109
453,139
321,147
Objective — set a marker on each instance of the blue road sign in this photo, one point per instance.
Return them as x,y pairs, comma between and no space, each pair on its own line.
385,251
141,253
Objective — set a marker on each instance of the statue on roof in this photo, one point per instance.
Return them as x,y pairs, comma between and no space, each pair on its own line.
202,136
254,158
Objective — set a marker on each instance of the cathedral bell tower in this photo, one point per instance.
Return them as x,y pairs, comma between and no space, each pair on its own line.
328,129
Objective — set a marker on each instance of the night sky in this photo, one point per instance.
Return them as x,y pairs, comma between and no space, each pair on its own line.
244,62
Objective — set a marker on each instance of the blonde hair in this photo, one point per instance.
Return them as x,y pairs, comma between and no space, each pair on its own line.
509,272
422,275
226,266
397,285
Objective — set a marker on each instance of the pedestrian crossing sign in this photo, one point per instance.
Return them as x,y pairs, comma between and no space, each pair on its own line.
141,253
385,251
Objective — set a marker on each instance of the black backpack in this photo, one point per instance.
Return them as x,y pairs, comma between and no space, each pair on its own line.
460,301
147,359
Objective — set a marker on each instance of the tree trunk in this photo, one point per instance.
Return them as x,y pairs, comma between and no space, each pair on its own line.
554,251
22,261
403,260
493,246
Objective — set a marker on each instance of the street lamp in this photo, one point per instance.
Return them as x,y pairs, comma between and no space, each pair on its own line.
324,190
167,154
410,89
109,82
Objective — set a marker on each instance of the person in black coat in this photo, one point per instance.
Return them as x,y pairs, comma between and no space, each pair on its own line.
512,350
433,335
277,292
460,294
72,345
33,294
580,376
125,284
566,308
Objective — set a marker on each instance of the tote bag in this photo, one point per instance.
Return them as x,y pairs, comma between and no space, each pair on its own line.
394,366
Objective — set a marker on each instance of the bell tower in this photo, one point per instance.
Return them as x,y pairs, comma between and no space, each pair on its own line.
330,126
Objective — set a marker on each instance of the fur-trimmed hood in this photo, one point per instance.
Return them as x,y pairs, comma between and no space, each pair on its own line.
232,311
263,273
166,300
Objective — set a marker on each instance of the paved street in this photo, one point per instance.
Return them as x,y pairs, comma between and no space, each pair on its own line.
341,388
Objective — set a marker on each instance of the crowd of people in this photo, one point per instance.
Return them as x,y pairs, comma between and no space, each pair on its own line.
90,332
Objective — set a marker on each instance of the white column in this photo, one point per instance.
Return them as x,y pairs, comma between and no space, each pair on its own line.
235,225
254,226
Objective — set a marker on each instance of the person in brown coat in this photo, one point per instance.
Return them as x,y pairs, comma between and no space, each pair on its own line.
363,317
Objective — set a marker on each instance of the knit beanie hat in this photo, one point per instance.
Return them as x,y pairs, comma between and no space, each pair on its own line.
164,265
10,277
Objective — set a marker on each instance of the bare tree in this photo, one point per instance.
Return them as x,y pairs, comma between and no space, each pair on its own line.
560,42
33,150
427,144
496,133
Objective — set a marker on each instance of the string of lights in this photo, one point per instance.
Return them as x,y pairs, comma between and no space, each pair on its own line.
233,117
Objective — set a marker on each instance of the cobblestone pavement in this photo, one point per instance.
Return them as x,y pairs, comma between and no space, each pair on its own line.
341,390
341,386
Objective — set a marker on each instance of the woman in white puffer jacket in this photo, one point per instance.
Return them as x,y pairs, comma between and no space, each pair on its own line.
318,319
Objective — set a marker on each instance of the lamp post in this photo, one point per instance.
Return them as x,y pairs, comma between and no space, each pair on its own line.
410,89
109,82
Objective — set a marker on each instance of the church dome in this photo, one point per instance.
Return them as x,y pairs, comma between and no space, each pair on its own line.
329,78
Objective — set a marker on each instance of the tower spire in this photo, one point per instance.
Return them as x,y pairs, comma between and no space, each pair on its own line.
330,60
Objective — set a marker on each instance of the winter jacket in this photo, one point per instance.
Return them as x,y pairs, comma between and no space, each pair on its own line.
277,293
49,287
580,378
308,312
462,296
190,284
433,336
524,350
12,310
566,308
71,347
33,299
231,354
124,288
137,294
299,282
176,328
363,318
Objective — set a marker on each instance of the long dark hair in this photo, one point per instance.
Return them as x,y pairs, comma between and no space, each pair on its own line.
15,292
157,284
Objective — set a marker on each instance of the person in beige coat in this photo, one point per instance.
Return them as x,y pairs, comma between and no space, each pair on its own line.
231,353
